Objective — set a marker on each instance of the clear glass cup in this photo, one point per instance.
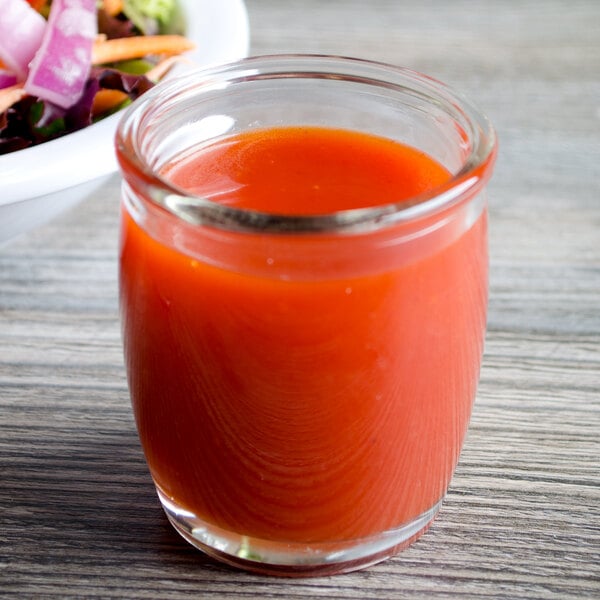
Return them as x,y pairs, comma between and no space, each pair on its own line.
302,385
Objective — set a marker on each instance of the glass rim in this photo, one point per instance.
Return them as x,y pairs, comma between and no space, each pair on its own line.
198,210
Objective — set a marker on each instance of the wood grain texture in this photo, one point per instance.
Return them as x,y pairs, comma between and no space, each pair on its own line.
78,514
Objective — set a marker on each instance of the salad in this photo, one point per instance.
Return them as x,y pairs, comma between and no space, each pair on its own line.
65,64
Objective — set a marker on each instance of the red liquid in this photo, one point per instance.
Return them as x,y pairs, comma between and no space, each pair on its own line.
312,409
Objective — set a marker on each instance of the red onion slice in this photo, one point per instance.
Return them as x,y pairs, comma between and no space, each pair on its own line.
60,68
7,78
21,31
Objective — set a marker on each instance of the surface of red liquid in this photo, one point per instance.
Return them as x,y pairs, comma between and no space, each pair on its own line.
304,409
303,170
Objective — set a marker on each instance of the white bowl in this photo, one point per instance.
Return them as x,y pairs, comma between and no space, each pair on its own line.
38,183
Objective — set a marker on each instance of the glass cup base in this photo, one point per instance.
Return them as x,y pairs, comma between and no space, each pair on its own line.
295,559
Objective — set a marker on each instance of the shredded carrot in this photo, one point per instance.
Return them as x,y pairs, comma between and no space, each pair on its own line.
106,100
117,49
112,7
11,95
37,4
157,72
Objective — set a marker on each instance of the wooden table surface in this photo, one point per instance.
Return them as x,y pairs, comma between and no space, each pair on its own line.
78,514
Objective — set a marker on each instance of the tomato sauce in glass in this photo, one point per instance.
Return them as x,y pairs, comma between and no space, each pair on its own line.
306,409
